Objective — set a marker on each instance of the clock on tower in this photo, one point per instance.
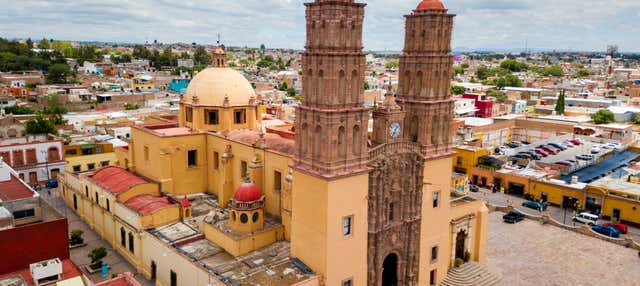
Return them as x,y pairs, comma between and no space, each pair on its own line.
388,121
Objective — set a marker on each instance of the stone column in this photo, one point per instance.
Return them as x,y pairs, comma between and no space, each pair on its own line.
227,176
256,167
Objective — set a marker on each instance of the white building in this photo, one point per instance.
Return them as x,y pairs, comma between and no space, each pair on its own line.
465,107
35,162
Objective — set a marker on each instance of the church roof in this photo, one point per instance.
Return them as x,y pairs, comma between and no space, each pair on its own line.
247,192
430,5
115,179
214,86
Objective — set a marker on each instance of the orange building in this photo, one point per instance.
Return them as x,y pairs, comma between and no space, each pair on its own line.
18,92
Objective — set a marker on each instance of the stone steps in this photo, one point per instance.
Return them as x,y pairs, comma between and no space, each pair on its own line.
470,274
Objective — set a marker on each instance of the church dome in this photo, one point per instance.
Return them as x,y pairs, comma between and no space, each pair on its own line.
212,85
247,192
430,5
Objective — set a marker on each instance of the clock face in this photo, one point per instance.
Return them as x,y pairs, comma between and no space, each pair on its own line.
395,129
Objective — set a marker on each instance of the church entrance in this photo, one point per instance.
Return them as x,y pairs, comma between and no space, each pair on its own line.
390,270
461,238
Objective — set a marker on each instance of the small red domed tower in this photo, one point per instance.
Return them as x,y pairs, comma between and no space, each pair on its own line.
247,208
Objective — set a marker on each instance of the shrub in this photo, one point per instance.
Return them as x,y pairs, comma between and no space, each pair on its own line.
458,262
96,256
76,237
467,256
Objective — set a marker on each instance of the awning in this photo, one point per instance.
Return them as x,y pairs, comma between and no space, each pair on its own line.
85,147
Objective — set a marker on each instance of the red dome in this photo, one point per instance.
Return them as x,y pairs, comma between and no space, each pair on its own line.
430,5
247,192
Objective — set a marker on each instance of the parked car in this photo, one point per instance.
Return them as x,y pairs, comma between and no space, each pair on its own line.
606,230
525,155
534,205
514,145
623,228
550,149
586,218
513,217
541,152
525,142
595,150
534,155
473,188
558,146
580,140
575,142
53,183
565,163
566,145
585,157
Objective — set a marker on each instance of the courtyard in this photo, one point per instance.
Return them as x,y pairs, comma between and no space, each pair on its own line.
529,253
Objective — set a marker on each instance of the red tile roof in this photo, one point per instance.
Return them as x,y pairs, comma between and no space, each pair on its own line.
115,179
124,279
146,204
14,189
69,270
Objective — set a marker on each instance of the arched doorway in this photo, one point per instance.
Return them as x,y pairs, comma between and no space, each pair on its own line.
390,270
461,238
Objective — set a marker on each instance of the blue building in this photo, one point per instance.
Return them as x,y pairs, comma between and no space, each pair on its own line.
179,85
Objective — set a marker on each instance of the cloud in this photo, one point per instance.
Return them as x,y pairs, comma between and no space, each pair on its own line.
550,24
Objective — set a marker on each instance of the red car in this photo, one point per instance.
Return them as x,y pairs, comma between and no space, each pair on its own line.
575,142
617,225
541,152
550,149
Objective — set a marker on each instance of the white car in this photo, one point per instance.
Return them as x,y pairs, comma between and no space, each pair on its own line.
586,218
595,150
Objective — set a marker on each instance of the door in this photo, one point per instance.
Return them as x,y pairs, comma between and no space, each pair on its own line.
54,173
153,270
390,270
33,178
616,215
75,202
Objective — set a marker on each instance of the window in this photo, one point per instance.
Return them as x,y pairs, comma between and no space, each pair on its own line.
435,199
432,277
277,181
239,116
216,160
18,159
391,209
188,114
104,163
24,213
31,156
97,199
244,218
347,282
108,206
131,242
154,269
86,191
5,157
146,153
174,279
123,237
76,168
459,160
255,216
346,225
434,253
211,117
91,166
54,155
243,169
192,156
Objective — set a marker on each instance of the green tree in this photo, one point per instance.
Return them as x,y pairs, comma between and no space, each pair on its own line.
483,73
40,125
391,65
560,104
366,85
583,73
53,106
554,70
17,110
458,70
603,116
637,119
76,237
455,89
128,106
140,52
283,86
201,56
513,65
44,44
58,73
499,95
96,255
292,92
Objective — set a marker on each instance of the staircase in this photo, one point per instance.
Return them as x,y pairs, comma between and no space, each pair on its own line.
470,274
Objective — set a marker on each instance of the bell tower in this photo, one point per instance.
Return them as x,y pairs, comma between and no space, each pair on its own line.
330,178
331,122
425,77
388,121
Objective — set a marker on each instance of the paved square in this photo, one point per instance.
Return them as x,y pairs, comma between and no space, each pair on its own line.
529,253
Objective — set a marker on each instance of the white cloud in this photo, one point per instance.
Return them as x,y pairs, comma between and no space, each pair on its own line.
552,24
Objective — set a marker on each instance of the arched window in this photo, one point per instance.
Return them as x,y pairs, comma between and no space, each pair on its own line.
303,139
413,129
418,83
356,85
233,216
319,84
434,130
255,217
356,140
342,92
317,139
341,144
131,249
407,83
244,218
54,155
308,84
123,239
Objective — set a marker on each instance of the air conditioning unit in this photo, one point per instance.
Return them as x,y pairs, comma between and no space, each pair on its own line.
45,272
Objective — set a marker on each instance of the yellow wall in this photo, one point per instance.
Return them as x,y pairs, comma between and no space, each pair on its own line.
104,148
240,246
467,158
84,161
319,207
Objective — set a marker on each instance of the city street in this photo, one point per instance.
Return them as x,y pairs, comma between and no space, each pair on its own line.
557,213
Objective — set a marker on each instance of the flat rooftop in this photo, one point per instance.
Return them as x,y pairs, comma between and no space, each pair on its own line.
619,185
14,189
603,168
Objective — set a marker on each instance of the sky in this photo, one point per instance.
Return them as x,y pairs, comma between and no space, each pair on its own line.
583,25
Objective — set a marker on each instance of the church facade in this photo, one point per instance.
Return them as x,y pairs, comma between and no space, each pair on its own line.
341,204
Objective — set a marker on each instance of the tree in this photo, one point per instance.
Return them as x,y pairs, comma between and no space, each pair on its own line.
458,70
76,237
560,103
44,44
500,96
483,73
455,89
603,116
637,119
58,73
292,92
17,110
140,52
128,106
391,65
583,73
513,65
96,255
53,105
554,70
201,56
366,85
283,86
40,125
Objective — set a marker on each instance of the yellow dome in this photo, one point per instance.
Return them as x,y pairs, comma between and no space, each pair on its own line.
212,85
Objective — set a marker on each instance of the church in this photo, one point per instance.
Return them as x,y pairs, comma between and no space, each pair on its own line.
210,197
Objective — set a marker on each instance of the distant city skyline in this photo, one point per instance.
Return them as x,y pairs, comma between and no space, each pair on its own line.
578,25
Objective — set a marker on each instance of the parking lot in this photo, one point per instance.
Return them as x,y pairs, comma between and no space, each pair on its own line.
529,253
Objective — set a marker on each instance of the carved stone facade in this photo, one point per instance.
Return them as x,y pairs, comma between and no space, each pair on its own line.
424,79
395,203
331,122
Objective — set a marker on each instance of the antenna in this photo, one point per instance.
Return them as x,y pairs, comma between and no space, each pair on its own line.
218,39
